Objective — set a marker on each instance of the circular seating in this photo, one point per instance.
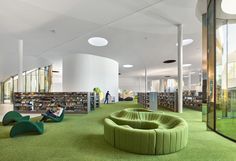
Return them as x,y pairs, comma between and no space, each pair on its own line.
144,132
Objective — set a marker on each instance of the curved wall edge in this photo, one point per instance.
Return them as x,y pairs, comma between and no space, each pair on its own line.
83,72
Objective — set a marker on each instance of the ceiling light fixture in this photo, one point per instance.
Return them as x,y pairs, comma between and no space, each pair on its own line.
169,61
229,6
127,66
186,42
187,65
97,41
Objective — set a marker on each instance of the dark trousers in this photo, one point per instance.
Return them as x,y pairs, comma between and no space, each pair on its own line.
50,113
106,101
47,113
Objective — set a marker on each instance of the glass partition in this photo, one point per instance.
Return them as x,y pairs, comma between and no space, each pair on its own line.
221,70
211,64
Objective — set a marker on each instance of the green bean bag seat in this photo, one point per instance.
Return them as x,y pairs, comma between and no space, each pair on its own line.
146,132
54,119
12,117
26,127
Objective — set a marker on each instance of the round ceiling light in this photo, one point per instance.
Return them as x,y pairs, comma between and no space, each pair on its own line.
187,65
97,41
229,6
169,61
127,66
186,42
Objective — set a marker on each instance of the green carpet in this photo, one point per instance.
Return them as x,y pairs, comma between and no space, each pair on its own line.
80,138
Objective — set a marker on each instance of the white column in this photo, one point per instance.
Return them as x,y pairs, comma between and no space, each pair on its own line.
180,67
189,80
20,70
145,80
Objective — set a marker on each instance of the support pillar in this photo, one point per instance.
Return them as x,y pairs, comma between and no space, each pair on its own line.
145,80
20,70
180,67
189,80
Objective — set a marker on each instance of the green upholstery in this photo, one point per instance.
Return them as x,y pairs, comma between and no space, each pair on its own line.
12,117
55,119
135,140
25,127
146,132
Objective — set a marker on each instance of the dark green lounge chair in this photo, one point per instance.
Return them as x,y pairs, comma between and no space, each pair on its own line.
26,127
54,119
12,117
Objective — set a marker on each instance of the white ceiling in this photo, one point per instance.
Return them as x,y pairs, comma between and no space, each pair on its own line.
140,32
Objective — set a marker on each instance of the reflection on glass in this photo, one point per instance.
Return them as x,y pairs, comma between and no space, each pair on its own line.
226,77
211,64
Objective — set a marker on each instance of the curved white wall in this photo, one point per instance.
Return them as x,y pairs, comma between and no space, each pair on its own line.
83,72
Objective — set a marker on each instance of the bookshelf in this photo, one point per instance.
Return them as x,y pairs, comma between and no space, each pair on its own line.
144,99
168,100
97,100
193,100
37,102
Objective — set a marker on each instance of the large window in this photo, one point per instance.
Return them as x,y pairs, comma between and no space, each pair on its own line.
8,88
36,80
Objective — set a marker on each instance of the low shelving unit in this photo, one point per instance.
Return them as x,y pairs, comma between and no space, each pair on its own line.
38,102
193,100
168,100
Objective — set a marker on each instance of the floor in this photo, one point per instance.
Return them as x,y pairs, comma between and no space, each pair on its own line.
80,138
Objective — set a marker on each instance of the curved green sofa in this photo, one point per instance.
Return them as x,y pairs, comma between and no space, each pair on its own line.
146,132
26,127
12,117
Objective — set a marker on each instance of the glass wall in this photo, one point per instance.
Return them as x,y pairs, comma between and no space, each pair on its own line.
222,63
7,90
36,80
211,64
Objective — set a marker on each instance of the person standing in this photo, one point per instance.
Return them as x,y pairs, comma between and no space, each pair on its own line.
107,97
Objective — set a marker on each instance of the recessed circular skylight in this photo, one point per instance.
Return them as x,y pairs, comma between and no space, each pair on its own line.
127,66
169,61
97,41
187,65
186,42
229,6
